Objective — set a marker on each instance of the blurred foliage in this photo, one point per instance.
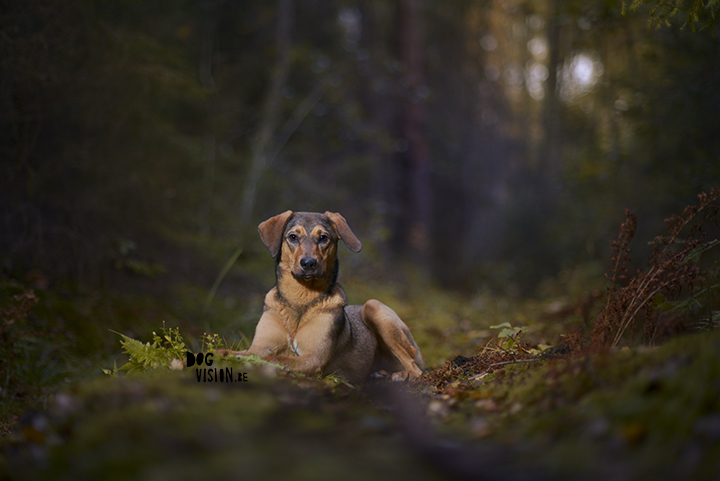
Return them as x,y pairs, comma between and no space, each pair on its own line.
662,12
136,121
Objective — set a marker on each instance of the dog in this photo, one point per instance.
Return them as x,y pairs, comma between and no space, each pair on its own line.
306,324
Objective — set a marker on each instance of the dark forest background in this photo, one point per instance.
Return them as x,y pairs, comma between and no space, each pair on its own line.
488,142
485,141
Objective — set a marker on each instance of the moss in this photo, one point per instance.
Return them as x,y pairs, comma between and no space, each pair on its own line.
621,410
164,424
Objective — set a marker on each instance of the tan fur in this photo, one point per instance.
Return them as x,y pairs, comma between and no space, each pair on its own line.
306,324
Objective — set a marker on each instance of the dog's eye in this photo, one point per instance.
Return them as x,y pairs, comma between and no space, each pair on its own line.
323,238
293,237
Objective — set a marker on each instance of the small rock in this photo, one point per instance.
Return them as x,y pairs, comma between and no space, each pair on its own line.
487,405
64,403
480,427
438,408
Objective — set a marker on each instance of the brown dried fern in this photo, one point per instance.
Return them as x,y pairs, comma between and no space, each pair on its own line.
672,269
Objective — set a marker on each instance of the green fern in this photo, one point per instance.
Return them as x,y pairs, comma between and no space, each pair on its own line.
169,348
146,356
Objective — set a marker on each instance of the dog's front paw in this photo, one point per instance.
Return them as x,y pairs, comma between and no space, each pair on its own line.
400,376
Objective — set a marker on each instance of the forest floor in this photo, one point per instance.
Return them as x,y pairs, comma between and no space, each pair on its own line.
507,395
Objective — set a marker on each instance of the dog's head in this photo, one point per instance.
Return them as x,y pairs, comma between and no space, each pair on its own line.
307,241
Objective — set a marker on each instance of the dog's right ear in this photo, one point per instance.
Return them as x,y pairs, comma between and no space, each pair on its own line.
271,231
343,230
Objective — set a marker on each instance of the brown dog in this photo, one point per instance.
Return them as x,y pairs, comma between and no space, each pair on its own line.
307,325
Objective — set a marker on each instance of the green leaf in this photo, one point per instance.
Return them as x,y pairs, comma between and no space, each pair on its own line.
508,330
500,326
511,332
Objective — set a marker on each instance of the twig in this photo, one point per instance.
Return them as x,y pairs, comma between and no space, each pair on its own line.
514,361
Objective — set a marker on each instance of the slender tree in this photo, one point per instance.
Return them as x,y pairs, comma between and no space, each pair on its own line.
416,156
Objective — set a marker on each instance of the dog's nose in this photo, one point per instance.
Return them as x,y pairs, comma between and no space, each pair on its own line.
308,263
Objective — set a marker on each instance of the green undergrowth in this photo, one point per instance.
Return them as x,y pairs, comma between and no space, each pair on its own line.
52,337
164,424
648,413
446,324
54,334
594,416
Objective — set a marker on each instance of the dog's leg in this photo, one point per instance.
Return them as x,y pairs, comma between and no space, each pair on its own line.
393,332
307,364
230,352
302,364
270,338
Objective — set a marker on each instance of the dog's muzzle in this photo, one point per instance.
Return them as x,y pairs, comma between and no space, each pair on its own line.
308,264
308,269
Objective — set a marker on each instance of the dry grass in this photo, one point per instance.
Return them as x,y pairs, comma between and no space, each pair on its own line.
673,271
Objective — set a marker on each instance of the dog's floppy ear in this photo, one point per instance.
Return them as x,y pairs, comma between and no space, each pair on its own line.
343,230
271,231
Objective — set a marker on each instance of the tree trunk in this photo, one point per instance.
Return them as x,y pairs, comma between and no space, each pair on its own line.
550,149
415,158
208,83
261,146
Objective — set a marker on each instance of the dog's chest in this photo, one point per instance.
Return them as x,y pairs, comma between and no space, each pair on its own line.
308,324
293,320
293,345
305,320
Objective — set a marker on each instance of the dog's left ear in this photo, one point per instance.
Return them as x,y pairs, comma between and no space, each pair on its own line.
271,231
343,230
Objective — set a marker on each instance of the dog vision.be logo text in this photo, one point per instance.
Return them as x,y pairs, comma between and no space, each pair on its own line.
212,374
